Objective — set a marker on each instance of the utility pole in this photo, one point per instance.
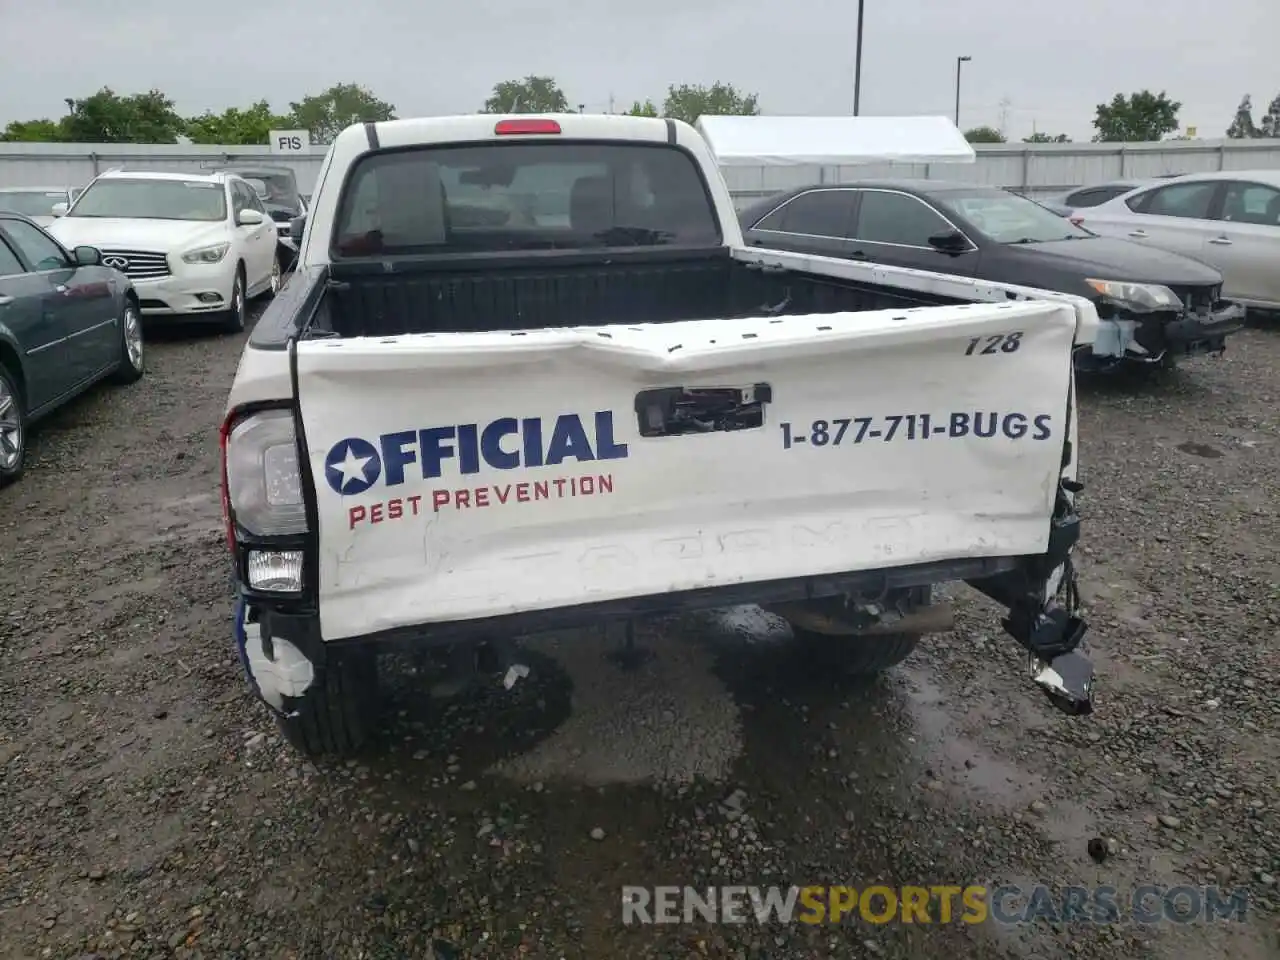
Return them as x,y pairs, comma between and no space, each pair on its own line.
857,62
1005,103
611,103
959,60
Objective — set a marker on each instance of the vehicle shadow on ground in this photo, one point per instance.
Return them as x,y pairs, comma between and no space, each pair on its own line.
825,782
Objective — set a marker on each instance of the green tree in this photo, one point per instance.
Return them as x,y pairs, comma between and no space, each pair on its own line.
1138,118
1270,125
108,117
33,131
646,109
984,135
234,125
533,94
688,102
1242,126
327,114
1045,138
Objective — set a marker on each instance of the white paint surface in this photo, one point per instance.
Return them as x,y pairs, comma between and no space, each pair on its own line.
693,511
766,141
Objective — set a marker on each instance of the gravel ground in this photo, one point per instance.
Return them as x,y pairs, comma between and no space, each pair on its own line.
148,808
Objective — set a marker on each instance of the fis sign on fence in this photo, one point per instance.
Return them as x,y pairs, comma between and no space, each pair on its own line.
289,142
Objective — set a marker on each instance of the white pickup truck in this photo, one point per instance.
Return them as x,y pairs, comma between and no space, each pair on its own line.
528,377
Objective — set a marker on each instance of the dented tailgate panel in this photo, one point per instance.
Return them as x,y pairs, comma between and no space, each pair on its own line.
470,475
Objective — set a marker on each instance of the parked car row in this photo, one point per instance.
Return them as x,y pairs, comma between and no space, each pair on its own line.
80,269
276,187
196,246
67,321
1174,261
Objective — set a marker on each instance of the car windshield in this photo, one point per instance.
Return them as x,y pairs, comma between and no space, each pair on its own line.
524,196
30,203
1009,218
146,199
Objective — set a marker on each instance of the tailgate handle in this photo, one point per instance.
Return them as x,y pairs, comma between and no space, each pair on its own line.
678,411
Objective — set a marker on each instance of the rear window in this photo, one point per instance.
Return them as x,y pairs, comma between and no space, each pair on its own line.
496,198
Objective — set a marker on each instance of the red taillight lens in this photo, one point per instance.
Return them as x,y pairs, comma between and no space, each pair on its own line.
505,128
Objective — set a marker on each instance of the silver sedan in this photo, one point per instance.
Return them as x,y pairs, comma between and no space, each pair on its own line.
1229,219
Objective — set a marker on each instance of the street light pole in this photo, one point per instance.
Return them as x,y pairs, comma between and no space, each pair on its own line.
857,62
959,60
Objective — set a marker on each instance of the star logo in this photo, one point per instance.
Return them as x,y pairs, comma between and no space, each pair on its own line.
352,466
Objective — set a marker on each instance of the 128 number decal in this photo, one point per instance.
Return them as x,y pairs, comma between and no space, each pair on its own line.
994,343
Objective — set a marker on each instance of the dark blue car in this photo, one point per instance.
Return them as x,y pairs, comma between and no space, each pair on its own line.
66,322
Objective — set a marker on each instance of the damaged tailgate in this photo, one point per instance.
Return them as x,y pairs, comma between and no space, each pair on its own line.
460,476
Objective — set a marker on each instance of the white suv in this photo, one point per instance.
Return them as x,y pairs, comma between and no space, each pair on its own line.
193,244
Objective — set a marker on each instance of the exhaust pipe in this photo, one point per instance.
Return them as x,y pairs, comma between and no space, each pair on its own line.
935,618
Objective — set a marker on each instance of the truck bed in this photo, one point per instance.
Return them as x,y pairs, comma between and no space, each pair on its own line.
359,300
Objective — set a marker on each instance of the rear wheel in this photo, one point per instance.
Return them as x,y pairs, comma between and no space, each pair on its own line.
133,363
336,716
235,318
13,428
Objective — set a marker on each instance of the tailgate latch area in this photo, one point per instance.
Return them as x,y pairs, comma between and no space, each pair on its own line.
677,411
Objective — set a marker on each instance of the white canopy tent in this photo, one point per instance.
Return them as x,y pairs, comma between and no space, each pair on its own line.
833,141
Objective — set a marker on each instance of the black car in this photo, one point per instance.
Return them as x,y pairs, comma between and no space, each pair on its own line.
277,188
992,234
66,322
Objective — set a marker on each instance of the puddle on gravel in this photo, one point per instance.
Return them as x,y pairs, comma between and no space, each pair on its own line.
1200,450
857,782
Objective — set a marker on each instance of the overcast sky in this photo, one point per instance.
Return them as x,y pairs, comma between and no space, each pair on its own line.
1052,61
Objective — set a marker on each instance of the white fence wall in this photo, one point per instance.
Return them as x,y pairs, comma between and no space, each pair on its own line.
1037,169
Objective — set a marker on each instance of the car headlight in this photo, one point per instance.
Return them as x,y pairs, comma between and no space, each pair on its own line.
210,254
1144,296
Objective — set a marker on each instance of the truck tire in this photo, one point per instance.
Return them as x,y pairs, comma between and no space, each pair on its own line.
339,713
855,656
